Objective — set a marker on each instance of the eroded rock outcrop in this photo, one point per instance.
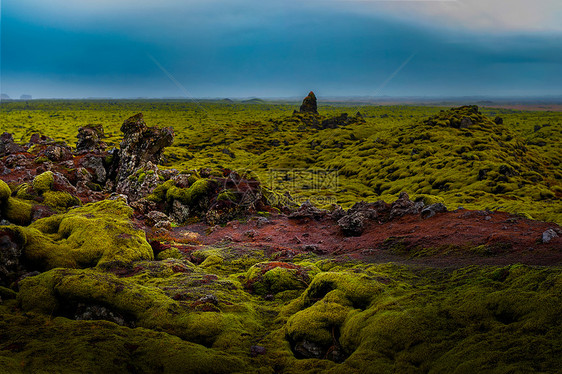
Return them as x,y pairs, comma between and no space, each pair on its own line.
89,139
141,147
309,104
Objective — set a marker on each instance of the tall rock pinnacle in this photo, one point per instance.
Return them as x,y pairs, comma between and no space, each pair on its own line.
309,104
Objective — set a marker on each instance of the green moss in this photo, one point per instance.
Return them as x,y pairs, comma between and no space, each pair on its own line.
5,191
62,345
6,293
226,195
170,253
274,277
23,191
193,178
60,200
40,160
43,182
17,211
358,289
190,195
93,235
159,192
212,260
317,323
59,286
429,199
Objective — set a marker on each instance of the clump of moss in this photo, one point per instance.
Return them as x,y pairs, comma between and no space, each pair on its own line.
226,195
212,260
169,253
43,182
159,193
60,345
93,235
17,211
274,277
5,191
60,200
191,195
50,292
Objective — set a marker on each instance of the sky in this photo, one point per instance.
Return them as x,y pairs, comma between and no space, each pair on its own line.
274,49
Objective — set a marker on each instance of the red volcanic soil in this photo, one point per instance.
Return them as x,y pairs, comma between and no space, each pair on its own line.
451,239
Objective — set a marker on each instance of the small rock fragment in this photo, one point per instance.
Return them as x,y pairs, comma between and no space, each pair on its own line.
548,235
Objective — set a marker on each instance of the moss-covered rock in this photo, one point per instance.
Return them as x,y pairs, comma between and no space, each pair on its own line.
274,277
212,260
60,200
93,235
169,253
17,211
190,195
60,345
54,290
5,191
43,182
159,193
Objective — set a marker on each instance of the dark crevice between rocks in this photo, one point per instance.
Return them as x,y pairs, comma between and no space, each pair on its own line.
88,311
304,349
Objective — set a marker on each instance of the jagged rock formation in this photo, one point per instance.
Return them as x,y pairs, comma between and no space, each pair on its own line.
309,104
89,139
7,145
308,115
141,147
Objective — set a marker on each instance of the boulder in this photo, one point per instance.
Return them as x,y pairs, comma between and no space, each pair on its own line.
404,206
548,235
89,139
307,210
7,145
352,224
431,210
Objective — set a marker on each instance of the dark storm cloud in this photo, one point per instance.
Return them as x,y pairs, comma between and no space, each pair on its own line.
250,48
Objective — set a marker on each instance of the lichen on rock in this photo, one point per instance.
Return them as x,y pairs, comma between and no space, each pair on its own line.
141,145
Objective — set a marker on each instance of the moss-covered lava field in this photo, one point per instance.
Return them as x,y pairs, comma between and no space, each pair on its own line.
254,237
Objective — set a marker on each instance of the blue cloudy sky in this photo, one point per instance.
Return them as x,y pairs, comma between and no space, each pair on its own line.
282,48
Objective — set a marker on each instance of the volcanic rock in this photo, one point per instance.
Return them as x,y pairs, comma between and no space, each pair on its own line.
404,206
57,152
431,210
141,148
309,104
12,241
7,145
548,235
352,224
89,139
307,210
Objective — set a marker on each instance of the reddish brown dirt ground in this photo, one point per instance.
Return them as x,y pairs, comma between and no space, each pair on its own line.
452,239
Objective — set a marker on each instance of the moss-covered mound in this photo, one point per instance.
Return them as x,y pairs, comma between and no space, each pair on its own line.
460,155
304,315
93,235
273,277
41,344
351,318
13,209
